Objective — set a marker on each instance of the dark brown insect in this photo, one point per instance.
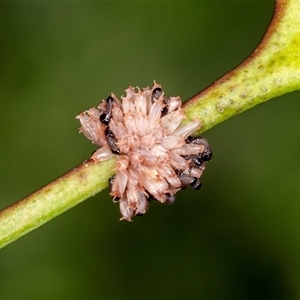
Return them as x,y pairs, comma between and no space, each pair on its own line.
207,154
186,180
165,110
196,160
156,93
197,185
105,117
111,141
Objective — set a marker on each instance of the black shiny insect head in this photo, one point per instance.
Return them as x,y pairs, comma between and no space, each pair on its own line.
165,110
156,93
105,117
139,214
196,160
111,141
186,180
207,154
197,185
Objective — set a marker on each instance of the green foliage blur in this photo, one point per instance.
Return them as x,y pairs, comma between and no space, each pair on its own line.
237,238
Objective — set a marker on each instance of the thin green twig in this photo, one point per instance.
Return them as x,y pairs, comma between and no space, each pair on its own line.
272,70
82,182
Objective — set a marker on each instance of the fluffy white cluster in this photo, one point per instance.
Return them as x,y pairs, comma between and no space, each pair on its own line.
156,156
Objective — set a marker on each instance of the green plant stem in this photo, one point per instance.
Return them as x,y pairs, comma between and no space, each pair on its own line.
271,70
82,182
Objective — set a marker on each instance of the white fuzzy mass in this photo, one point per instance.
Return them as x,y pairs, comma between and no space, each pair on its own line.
154,157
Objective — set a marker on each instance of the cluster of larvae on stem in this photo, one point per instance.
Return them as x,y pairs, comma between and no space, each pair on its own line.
156,155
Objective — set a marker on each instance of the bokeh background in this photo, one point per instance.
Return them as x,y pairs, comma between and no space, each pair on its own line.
237,238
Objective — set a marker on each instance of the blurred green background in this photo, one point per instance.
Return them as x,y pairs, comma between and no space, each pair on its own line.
237,238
